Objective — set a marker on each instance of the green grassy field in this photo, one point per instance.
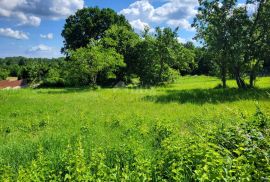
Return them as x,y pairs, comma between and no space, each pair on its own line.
120,117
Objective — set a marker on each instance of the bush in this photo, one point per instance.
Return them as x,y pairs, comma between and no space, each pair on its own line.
53,79
236,153
3,74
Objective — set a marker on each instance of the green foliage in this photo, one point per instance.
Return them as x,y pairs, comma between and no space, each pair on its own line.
89,23
234,36
186,131
160,57
235,153
90,62
123,40
34,72
3,73
53,78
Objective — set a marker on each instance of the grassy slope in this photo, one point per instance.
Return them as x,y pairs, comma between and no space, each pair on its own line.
115,117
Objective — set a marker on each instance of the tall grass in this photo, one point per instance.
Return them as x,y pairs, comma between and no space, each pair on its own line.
118,126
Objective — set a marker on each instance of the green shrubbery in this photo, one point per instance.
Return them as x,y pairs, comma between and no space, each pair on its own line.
235,153
3,74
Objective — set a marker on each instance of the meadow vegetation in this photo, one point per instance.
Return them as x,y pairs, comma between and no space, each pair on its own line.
185,131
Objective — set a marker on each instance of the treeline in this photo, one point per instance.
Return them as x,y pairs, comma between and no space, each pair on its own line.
60,72
34,70
101,48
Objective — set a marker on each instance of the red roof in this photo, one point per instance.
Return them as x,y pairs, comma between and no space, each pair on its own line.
12,84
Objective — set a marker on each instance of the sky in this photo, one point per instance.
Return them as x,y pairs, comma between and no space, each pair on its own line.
32,28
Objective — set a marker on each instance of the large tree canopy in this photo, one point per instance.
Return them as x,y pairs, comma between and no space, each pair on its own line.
87,24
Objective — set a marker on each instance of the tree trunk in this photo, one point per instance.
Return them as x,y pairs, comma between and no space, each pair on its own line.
94,79
240,82
223,76
161,69
252,78
224,84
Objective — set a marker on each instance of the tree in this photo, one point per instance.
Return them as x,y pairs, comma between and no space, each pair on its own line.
212,27
258,37
161,57
236,37
54,78
87,24
88,62
238,27
123,40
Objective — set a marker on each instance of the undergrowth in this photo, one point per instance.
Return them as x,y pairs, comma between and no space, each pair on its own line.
236,153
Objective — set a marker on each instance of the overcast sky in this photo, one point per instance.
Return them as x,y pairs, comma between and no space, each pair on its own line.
33,28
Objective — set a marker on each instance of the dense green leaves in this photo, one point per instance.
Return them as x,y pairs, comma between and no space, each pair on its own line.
123,40
160,57
3,74
87,24
90,62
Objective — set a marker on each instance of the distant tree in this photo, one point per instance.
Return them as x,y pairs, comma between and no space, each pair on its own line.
14,70
87,24
88,62
22,61
54,78
205,65
34,72
190,49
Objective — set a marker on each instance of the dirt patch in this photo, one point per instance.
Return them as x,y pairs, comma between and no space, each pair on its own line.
13,84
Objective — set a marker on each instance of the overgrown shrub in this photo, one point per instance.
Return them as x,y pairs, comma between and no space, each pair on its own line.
236,153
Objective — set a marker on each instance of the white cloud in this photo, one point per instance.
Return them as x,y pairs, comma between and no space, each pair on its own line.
27,20
40,48
171,12
139,10
182,23
43,51
30,12
181,40
15,34
47,36
139,25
